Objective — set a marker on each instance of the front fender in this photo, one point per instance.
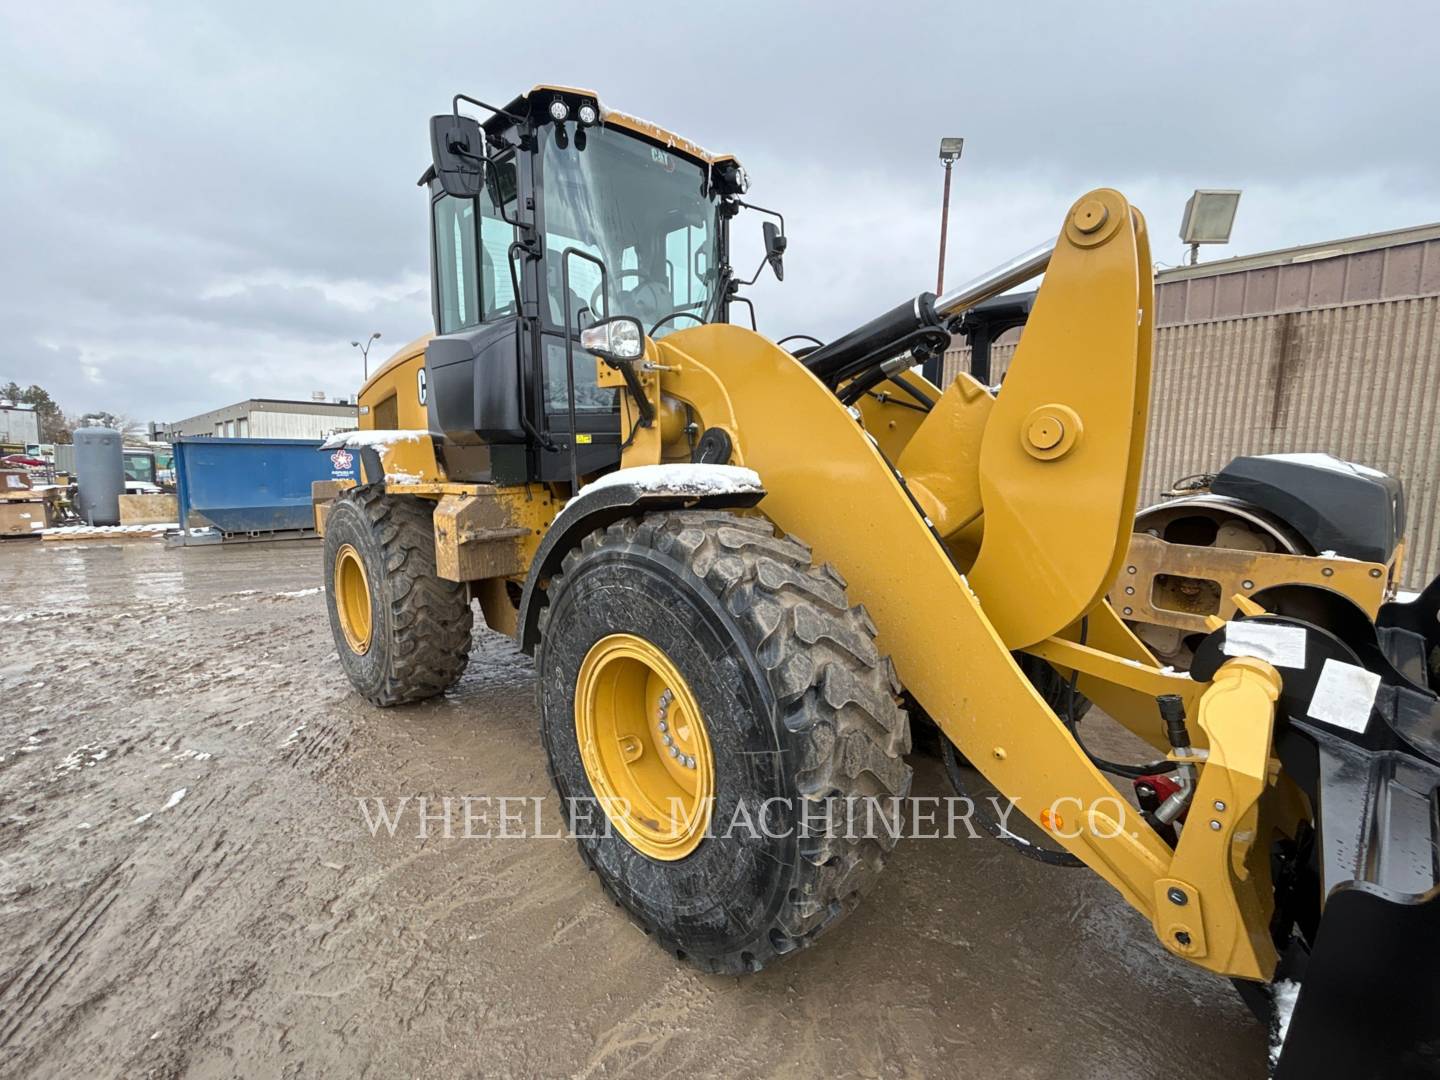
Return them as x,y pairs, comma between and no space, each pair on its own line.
621,494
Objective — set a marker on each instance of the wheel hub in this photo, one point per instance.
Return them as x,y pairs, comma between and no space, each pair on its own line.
352,599
644,746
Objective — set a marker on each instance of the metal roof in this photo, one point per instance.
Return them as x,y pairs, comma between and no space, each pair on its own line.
1325,249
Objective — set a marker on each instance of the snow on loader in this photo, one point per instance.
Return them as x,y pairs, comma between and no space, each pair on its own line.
729,560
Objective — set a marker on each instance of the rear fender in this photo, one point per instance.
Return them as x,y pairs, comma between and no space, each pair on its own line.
398,458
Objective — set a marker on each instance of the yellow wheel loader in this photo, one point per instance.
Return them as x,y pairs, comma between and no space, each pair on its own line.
732,562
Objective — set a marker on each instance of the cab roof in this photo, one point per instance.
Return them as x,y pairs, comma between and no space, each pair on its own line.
616,118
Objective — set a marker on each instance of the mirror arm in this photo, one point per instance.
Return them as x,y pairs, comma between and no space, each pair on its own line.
636,388
455,107
751,305
492,140
763,210
735,282
771,257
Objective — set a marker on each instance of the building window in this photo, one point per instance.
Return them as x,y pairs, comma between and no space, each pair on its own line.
229,429
242,427
219,428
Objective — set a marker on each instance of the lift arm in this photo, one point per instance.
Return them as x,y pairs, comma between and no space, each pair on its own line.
827,483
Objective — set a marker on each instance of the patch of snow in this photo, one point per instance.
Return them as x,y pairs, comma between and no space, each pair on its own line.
404,478
1283,994
108,530
1405,596
143,818
302,592
84,825
1326,461
81,757
175,797
377,437
672,141
1337,558
27,616
682,478
293,737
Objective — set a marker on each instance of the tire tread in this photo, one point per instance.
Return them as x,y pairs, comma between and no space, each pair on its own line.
835,692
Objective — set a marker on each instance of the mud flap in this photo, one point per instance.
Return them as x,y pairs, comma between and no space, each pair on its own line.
1369,1002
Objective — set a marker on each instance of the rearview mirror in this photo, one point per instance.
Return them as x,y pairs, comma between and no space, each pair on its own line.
775,249
457,149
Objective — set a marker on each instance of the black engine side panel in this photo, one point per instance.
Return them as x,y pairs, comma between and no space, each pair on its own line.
475,382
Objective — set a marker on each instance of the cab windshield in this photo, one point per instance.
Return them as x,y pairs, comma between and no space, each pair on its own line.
140,467
645,213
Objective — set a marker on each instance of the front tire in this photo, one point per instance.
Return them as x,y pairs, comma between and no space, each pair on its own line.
402,632
798,714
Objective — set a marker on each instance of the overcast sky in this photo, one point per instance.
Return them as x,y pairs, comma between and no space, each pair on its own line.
203,202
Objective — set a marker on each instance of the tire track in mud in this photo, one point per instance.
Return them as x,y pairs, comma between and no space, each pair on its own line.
156,696
255,927
21,998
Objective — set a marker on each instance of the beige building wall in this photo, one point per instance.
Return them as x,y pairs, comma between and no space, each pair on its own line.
285,425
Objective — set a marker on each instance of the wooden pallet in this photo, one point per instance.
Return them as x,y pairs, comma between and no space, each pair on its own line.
103,534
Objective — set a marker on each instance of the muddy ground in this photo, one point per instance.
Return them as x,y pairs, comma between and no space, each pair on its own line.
253,926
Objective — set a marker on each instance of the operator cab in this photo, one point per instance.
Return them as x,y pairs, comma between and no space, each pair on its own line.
551,216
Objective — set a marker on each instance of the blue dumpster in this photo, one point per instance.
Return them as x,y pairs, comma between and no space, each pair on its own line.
251,487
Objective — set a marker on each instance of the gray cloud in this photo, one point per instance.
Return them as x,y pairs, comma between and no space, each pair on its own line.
201,205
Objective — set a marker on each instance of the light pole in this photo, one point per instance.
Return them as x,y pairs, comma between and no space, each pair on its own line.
365,351
949,153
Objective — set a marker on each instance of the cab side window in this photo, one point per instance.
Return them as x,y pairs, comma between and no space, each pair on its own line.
472,265
455,263
496,235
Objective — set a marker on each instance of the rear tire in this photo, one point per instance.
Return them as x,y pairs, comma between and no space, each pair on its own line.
798,707
416,643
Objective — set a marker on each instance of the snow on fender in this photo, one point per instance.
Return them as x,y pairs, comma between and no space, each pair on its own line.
624,493
680,478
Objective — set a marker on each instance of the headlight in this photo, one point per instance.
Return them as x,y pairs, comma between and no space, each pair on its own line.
587,113
558,109
619,338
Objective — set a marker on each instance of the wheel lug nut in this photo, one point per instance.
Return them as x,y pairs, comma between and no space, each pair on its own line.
689,762
664,726
668,741
674,752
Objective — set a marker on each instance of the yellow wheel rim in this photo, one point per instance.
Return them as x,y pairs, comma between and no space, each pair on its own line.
644,746
352,598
